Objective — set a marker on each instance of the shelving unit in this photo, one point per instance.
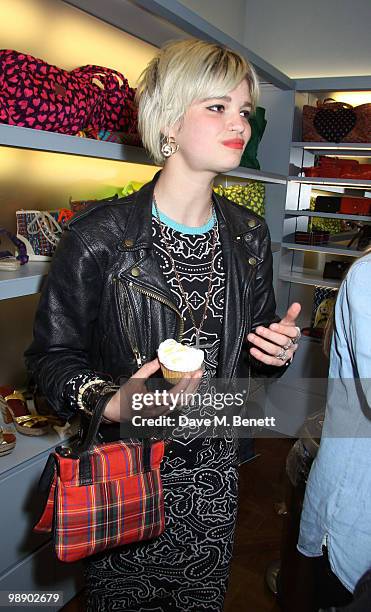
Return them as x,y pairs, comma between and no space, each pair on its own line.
27,280
301,265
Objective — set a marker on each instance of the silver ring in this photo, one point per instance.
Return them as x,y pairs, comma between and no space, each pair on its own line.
282,355
297,337
287,346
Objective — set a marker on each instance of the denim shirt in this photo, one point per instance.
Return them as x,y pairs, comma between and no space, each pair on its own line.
337,505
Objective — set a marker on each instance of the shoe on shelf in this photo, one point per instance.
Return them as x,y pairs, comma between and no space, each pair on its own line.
7,442
14,409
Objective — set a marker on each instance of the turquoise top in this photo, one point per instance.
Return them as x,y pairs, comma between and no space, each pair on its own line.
184,229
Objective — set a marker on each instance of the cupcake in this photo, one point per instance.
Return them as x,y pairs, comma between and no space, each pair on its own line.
177,360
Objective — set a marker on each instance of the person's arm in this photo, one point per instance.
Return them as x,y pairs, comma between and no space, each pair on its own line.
65,321
357,295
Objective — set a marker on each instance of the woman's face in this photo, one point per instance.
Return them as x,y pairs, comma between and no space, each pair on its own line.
215,131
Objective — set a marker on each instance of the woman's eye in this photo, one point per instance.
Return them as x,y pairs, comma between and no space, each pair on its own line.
245,113
216,108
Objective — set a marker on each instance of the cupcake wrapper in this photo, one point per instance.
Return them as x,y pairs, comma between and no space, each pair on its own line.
172,376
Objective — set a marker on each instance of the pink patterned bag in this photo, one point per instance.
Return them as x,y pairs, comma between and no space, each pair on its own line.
115,108
39,95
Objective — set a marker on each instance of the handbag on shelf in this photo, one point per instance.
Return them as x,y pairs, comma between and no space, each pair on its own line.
114,108
355,206
102,496
38,95
313,237
335,269
327,204
336,122
40,231
251,196
332,167
79,205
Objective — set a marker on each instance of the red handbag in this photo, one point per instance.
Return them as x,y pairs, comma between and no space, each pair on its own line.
115,108
101,497
332,167
39,95
355,206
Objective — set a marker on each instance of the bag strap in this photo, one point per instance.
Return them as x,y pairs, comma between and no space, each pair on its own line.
85,469
331,101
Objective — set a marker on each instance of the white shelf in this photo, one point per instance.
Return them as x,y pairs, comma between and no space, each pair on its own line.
24,281
332,148
321,249
312,180
257,175
39,140
309,277
26,448
338,216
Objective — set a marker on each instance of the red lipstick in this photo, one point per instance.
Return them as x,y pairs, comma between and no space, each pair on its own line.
234,143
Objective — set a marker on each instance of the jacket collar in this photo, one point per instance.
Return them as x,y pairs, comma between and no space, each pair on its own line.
138,231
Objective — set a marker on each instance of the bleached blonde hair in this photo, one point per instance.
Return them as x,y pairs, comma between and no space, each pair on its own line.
182,72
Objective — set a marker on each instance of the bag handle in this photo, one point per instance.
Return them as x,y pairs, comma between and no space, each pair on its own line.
85,468
330,101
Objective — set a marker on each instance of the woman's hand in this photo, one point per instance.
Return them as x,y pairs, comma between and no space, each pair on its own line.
279,341
120,406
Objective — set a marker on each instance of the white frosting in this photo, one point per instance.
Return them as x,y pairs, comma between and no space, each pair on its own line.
178,357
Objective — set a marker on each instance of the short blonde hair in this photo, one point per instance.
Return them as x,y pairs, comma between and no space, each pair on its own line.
182,72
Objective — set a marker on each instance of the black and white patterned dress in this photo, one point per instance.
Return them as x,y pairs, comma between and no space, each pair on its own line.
186,568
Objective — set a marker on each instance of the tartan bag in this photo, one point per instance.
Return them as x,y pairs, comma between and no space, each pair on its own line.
40,231
102,496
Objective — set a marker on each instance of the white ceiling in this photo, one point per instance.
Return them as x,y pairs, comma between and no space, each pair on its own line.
311,38
302,38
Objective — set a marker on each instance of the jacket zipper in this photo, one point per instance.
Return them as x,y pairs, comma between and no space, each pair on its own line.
160,298
121,289
243,323
135,345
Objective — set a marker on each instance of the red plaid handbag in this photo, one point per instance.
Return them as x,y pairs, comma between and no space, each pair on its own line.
102,496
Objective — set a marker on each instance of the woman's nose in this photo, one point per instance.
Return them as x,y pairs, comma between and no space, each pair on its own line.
237,124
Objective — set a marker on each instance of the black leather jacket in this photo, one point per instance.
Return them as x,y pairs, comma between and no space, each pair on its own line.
106,305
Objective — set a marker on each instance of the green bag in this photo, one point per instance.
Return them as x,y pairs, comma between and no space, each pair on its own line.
250,195
257,122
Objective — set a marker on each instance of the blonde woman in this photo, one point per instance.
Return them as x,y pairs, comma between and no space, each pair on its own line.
172,261
336,520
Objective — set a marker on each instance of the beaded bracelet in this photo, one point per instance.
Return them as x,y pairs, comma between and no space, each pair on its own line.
91,383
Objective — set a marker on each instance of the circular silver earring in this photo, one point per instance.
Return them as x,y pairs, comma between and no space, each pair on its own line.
168,146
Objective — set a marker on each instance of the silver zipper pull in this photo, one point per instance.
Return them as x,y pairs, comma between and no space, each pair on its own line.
138,357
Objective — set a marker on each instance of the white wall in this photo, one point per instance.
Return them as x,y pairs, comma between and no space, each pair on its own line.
228,16
311,38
